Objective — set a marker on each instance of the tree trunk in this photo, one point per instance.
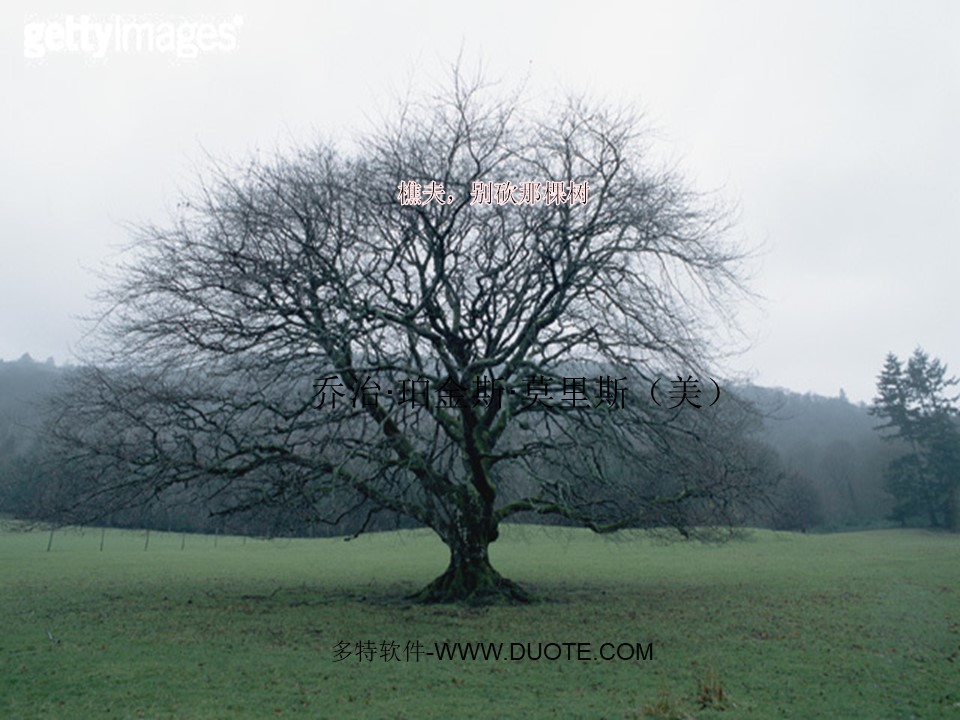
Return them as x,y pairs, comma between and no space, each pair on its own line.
470,578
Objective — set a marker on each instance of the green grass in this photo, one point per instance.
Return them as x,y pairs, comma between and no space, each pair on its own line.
859,625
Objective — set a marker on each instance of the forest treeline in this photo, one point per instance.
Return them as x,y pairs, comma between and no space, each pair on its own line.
831,466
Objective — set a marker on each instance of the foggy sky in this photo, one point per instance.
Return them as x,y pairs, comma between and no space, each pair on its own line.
832,126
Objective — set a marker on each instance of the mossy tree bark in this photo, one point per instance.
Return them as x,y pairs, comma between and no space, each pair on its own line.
470,578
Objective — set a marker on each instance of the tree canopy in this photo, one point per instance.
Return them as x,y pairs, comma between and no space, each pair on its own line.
308,333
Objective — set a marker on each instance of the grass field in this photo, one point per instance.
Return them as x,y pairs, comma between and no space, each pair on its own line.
858,625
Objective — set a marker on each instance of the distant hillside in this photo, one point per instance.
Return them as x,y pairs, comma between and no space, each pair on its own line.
24,384
828,443
832,442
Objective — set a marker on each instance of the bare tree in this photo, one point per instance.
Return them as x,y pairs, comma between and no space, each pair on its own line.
302,337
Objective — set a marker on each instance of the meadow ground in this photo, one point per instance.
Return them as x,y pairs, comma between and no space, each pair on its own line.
857,625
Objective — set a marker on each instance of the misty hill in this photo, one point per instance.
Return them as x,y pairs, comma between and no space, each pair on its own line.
24,384
829,443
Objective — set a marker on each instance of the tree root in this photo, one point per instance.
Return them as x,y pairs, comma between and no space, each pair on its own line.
474,585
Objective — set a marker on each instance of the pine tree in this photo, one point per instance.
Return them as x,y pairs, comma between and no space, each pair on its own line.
914,402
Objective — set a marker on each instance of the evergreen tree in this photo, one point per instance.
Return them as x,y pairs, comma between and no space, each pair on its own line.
914,402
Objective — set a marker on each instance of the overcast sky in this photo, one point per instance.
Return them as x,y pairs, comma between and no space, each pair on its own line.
835,127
